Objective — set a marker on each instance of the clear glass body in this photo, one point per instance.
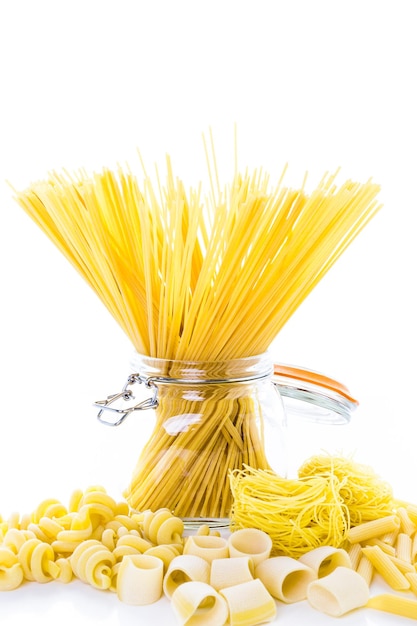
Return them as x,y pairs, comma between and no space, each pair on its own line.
211,418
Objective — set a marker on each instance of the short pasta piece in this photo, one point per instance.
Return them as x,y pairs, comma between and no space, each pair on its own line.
325,559
285,578
355,553
162,527
403,547
197,603
387,568
166,553
365,569
139,579
249,603
231,571
185,568
11,572
373,528
250,542
412,579
37,559
208,547
92,563
392,603
406,523
338,593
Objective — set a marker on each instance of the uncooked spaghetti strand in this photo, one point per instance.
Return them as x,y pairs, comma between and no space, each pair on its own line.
204,442
147,482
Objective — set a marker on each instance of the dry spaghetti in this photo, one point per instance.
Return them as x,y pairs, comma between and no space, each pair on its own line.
198,279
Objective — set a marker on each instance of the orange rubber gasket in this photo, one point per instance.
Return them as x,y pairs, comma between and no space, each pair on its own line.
308,376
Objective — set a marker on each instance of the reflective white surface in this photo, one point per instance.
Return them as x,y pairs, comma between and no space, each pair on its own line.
84,83
52,603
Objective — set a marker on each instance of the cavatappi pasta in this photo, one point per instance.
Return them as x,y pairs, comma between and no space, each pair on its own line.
196,276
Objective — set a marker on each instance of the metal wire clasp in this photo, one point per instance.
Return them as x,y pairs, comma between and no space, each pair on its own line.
126,395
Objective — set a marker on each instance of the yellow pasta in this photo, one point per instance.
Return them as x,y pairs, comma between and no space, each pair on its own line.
185,568
392,603
250,542
412,579
208,547
366,495
249,603
387,568
414,549
285,578
11,571
92,563
407,526
139,579
355,553
227,572
338,593
324,559
164,552
376,541
373,528
298,515
196,280
37,559
365,569
198,604
404,547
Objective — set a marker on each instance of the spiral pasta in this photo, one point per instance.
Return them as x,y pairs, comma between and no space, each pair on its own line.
92,563
11,571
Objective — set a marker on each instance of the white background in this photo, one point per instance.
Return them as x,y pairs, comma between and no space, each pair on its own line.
317,84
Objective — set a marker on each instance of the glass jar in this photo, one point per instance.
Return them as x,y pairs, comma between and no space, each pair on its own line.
210,418
215,416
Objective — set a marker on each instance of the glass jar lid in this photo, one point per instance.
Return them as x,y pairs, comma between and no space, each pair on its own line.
313,396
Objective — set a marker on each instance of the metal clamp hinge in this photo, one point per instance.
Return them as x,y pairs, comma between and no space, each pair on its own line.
126,394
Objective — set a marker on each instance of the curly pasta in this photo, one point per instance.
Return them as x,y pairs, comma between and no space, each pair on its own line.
11,572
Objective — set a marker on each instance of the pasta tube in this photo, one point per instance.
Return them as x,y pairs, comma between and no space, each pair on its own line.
325,559
249,603
386,567
197,603
139,579
373,528
207,547
404,547
285,578
392,603
365,569
185,568
231,571
250,542
339,592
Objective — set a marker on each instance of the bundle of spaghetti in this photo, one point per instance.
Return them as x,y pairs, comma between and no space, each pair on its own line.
366,494
298,514
192,277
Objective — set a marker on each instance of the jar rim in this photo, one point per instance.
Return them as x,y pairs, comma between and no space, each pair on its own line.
242,369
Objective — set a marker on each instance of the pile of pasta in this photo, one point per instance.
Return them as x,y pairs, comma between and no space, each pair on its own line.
330,496
210,579
193,275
